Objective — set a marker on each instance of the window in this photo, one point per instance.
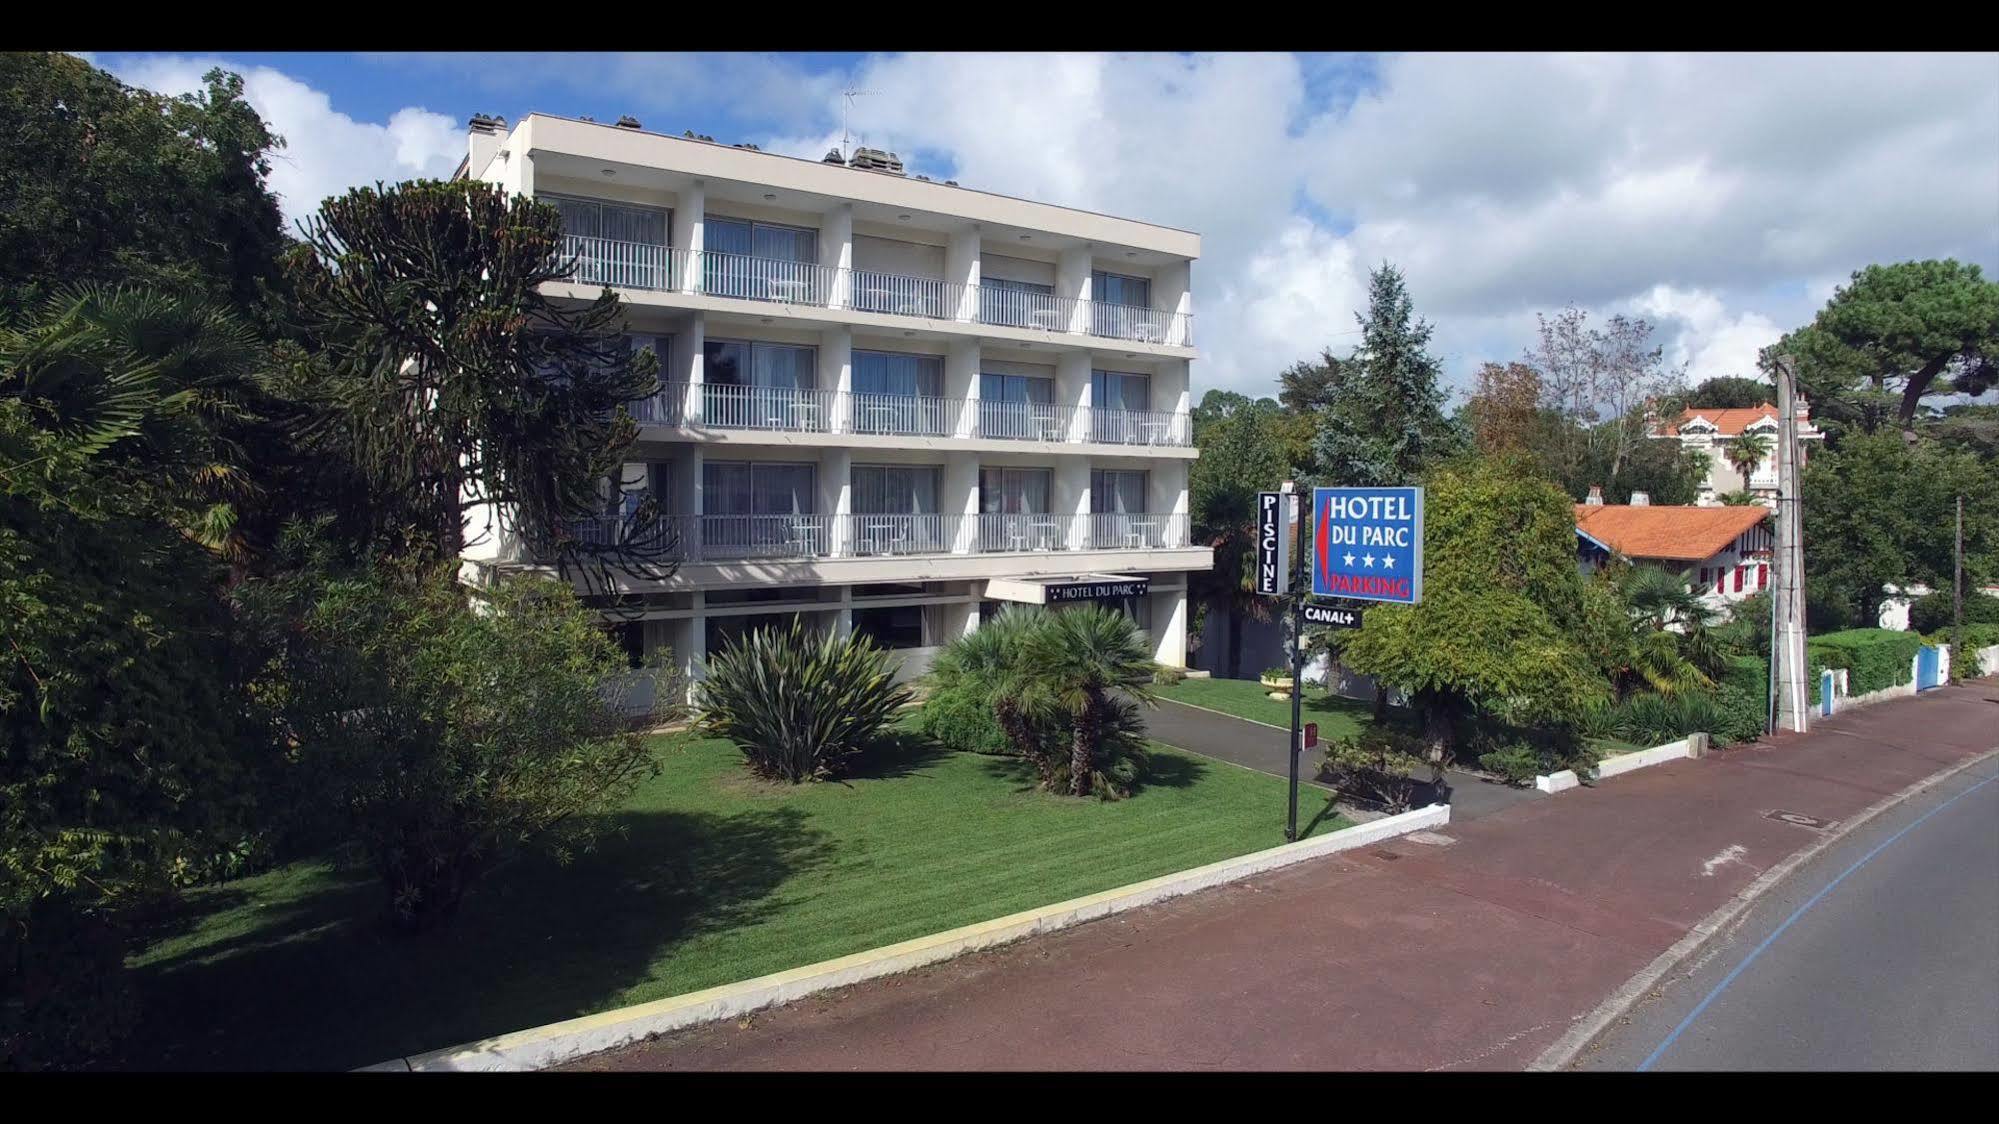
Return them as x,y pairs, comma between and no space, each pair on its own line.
1118,289
1019,304
898,627
896,489
615,244
721,632
1139,609
1114,400
1014,491
1703,577
757,488
1018,406
760,386
899,393
631,636
1121,307
1117,491
741,363
760,261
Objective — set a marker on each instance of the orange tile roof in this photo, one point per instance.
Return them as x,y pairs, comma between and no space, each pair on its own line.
1727,423
1679,534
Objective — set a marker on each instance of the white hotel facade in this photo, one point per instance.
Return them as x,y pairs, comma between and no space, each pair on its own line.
889,405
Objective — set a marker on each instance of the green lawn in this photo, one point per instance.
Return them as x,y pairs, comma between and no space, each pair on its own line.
1244,698
713,877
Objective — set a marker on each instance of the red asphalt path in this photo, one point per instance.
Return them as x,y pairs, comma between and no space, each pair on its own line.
1476,954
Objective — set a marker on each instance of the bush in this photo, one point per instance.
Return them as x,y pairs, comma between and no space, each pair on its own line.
442,736
1373,767
799,701
1519,755
1519,763
1169,676
1728,713
1874,658
1932,613
963,719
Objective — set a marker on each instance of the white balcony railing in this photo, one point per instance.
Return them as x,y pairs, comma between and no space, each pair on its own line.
645,265
726,537
808,410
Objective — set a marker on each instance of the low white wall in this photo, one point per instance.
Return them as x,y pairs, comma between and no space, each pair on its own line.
1988,660
1693,745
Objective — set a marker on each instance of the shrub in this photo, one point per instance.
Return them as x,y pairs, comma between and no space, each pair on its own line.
963,719
1169,676
1519,755
445,736
1373,767
1093,664
1875,658
1728,714
1932,613
1276,671
799,701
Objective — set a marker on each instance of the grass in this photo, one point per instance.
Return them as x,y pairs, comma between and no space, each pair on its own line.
1245,698
711,877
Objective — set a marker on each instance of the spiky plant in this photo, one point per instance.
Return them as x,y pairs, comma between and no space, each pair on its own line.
1746,452
798,701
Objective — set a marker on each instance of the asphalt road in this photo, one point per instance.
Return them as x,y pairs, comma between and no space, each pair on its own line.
1882,953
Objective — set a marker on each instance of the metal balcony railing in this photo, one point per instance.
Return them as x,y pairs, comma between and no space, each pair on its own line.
646,265
809,410
727,537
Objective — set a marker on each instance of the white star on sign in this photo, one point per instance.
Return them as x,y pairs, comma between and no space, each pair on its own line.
1388,560
1368,559
1349,559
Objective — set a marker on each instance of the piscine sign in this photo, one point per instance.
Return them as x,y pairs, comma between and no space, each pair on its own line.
1367,544
1273,542
1097,591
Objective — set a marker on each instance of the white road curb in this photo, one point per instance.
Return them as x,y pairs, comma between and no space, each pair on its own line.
543,1046
1694,745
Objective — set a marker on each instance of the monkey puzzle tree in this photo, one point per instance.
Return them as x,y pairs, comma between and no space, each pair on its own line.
456,383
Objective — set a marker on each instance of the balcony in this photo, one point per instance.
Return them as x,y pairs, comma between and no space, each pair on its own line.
807,410
730,538
640,265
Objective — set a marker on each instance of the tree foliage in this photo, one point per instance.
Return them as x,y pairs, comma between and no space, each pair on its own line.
1730,392
100,182
799,701
1599,381
1894,335
458,384
1382,420
1241,455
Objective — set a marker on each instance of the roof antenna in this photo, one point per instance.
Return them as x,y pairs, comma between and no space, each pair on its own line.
847,105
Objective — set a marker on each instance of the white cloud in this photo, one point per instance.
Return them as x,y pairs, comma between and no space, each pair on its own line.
1707,341
326,152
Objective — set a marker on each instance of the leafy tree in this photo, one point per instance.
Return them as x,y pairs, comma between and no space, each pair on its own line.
1492,638
100,182
1879,510
1746,452
1504,411
1240,456
456,383
1599,380
1308,386
445,737
1383,422
1896,334
1730,392
799,701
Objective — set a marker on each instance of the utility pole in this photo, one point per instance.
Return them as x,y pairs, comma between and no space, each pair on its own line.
1957,646
1297,608
1791,695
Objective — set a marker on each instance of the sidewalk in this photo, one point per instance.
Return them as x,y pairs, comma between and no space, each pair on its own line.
1472,954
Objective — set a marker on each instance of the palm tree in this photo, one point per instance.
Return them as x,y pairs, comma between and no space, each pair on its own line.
1746,452
1092,660
1673,647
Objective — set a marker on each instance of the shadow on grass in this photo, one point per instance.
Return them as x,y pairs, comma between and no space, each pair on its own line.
1162,771
896,753
313,980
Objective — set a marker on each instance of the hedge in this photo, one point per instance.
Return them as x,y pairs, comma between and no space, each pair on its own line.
1874,658
1933,612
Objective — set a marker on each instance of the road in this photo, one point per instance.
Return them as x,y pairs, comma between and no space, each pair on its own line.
1882,953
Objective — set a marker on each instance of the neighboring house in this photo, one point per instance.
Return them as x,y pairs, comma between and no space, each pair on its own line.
1711,432
1722,552
889,405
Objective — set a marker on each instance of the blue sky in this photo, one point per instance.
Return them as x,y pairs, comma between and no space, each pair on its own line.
1721,197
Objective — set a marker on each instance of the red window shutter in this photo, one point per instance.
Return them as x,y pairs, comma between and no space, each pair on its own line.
1738,578
1763,576
1720,576
1703,575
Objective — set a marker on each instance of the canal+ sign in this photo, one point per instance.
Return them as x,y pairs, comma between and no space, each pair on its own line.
1368,544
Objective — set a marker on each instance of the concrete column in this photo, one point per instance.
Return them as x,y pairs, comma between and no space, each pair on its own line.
959,495
685,365
1172,388
954,621
836,253
961,267
688,219
1072,388
1172,290
1169,627
836,496
1072,282
836,374
695,661
687,482
1166,494
961,384
1072,498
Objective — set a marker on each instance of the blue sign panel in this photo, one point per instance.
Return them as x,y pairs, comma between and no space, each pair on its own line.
1367,543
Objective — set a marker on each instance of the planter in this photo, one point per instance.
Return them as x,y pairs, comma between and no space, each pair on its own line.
1280,687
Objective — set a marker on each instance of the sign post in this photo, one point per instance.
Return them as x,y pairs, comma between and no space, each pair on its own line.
1289,507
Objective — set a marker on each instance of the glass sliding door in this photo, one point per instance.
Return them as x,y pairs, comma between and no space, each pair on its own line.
899,393
1121,308
1119,518
761,386
1020,304
1014,510
669,402
614,244
895,510
761,261
1021,407
754,509
1119,407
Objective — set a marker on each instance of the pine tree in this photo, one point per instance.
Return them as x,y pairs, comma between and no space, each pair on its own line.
1386,424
